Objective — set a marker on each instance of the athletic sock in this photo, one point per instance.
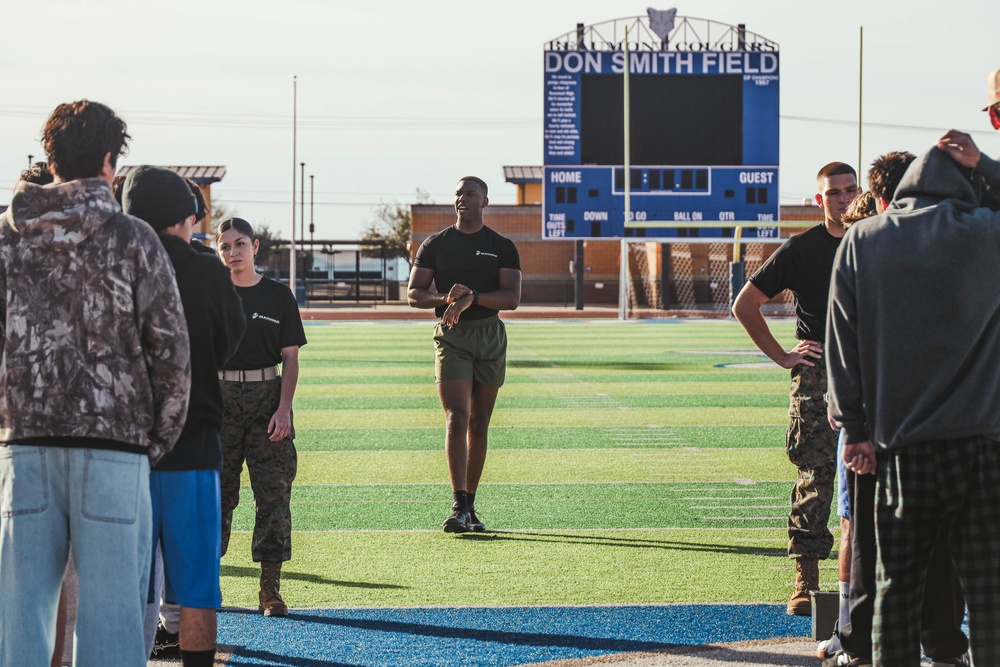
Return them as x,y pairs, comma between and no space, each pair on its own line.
472,499
462,499
198,658
845,603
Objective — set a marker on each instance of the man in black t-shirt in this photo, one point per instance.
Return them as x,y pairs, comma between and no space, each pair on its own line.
476,273
804,264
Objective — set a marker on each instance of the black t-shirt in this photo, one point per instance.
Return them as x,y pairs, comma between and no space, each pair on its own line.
273,322
804,265
474,260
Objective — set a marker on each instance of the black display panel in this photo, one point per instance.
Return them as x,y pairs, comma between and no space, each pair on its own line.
694,119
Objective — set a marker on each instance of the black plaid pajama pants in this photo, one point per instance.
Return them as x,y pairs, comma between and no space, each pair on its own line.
949,488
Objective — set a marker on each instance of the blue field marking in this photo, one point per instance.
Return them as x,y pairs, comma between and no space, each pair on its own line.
490,636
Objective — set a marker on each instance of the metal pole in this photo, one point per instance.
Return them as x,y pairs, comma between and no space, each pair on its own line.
623,268
295,114
861,58
578,267
302,223
312,208
30,158
737,269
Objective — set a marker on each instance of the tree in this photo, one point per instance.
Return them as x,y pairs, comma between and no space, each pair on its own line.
392,224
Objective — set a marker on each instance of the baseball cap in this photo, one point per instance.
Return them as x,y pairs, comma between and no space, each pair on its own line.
993,86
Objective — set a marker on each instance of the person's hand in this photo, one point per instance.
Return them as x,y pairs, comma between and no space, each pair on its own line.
455,309
960,147
802,353
860,457
457,291
833,424
280,426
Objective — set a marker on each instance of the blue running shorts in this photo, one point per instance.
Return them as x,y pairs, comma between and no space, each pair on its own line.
187,524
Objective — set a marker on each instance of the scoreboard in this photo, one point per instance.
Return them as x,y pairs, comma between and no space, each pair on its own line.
703,148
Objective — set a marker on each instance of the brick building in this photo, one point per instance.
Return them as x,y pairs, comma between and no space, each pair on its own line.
664,275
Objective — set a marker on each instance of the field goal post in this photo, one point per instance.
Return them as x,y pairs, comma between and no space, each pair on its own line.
693,277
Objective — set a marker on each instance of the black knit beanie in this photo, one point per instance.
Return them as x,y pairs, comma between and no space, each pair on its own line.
158,196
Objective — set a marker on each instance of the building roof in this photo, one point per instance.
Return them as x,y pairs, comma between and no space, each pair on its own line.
531,174
200,175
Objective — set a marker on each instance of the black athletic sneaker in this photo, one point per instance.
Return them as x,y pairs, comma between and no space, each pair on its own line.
475,525
458,522
166,644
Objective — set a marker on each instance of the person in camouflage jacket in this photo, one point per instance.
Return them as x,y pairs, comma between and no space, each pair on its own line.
94,385
72,269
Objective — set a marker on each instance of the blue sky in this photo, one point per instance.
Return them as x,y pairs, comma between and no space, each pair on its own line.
395,96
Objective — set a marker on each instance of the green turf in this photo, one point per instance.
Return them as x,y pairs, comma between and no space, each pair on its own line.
551,467
549,506
628,464
602,415
400,568
567,400
569,437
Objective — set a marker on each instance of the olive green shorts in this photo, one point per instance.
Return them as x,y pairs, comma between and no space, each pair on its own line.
473,350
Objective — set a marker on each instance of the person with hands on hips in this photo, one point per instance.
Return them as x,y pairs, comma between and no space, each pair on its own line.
803,265
476,273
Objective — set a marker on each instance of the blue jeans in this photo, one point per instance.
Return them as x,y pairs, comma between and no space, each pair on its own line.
98,501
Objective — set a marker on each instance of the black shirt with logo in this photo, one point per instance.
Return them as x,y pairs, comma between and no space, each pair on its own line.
473,260
273,323
804,265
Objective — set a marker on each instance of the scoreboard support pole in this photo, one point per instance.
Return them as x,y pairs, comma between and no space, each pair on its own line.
623,261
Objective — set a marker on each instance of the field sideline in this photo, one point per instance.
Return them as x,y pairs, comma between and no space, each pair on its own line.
628,465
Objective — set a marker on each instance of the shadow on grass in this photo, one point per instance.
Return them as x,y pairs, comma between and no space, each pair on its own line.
598,365
253,572
630,542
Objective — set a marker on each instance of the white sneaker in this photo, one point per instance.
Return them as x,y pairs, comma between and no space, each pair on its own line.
828,647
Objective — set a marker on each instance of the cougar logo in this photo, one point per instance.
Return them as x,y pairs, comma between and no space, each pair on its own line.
661,22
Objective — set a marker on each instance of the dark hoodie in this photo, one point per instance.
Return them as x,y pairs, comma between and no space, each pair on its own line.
913,333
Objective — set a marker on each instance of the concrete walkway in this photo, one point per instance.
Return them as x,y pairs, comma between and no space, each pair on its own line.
798,652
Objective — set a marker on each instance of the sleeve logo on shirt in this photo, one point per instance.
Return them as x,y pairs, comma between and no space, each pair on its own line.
264,317
488,254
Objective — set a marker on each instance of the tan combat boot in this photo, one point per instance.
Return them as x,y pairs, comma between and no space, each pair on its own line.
271,603
806,579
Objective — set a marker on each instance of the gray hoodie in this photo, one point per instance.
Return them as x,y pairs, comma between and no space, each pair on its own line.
95,346
913,332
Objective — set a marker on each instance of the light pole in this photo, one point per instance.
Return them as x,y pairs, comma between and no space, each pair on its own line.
312,208
302,222
292,260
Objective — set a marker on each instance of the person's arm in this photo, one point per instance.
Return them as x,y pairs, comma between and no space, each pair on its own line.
418,291
231,323
507,296
163,335
747,307
846,399
280,426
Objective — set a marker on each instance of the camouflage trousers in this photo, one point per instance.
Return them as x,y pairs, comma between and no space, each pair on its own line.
812,448
272,466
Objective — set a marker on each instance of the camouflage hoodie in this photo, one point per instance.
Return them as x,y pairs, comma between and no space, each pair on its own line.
94,340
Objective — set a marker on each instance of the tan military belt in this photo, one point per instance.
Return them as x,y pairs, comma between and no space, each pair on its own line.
258,375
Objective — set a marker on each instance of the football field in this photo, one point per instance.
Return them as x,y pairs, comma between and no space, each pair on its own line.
630,463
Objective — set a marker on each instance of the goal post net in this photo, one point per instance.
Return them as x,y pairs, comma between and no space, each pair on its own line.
693,279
